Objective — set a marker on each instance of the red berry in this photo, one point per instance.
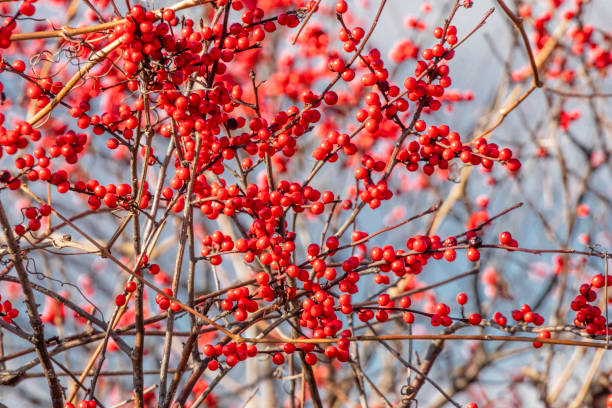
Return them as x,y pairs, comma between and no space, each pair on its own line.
474,319
473,254
278,359
331,352
311,358
505,238
598,281
341,7
450,254
408,317
131,286
262,278
168,14
120,300
462,298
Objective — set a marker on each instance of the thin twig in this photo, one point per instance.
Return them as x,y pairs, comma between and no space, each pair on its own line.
38,331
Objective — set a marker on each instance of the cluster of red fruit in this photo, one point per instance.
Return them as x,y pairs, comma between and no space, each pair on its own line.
401,263
233,353
41,90
524,314
436,145
319,313
164,303
441,316
9,24
112,195
177,59
340,351
374,112
372,193
82,404
34,215
13,140
244,303
505,238
268,207
217,242
583,38
7,311
328,148
589,317
68,145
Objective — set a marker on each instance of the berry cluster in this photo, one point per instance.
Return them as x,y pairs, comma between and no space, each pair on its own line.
233,353
82,404
589,317
8,312
34,216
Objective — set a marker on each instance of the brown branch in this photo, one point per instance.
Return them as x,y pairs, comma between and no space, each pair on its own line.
137,351
68,303
477,337
105,253
432,353
38,331
577,94
182,366
311,382
306,19
518,23
505,111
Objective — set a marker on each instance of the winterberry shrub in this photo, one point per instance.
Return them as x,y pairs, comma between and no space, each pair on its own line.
275,203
